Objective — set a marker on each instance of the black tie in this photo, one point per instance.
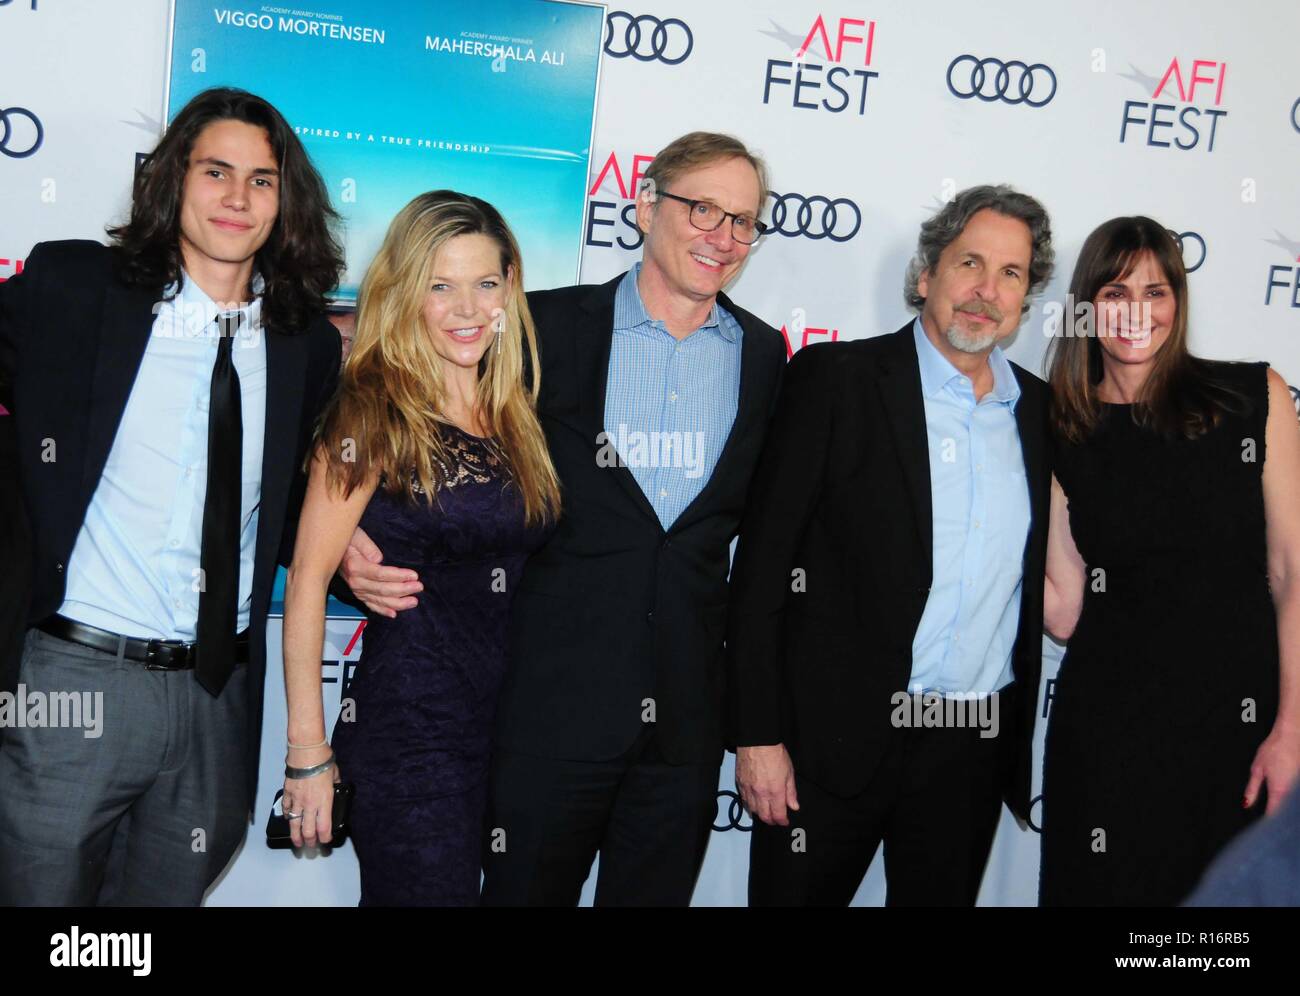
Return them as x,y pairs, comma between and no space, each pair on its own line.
219,554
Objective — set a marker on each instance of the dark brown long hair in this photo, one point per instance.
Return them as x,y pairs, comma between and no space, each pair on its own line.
1183,395
300,262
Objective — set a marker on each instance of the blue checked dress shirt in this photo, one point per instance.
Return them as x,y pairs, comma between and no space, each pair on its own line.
669,405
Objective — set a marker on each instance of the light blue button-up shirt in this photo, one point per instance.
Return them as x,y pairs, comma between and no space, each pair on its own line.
669,404
134,568
980,500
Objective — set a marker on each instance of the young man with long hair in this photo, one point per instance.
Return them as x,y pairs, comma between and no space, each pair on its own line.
164,393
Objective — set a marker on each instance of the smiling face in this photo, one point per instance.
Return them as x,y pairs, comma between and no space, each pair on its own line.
1135,313
229,201
467,293
975,292
688,262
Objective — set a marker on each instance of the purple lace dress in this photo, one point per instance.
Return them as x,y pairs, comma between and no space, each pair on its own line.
425,689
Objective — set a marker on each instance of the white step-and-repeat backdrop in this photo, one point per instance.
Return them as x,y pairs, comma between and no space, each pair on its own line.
871,114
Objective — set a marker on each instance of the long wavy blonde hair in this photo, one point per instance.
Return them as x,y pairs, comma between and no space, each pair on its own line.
386,415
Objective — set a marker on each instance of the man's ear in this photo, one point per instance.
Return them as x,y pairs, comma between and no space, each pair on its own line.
923,284
646,203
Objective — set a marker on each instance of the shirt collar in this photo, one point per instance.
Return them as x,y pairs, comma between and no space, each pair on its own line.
937,372
630,313
197,313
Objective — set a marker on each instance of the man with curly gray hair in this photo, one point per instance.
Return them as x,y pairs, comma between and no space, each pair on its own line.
886,607
947,225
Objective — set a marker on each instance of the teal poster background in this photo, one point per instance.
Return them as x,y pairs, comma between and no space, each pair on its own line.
391,98
494,98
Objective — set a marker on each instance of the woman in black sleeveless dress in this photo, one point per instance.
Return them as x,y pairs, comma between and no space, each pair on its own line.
433,447
1174,507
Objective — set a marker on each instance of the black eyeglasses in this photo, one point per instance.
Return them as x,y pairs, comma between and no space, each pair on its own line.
708,217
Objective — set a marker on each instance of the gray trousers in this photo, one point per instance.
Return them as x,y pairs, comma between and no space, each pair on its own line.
128,792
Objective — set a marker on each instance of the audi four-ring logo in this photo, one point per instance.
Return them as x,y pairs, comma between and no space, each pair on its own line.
735,813
670,41
9,144
1013,83
815,217
1184,239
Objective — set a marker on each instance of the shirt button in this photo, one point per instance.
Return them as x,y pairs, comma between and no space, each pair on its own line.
174,544
979,466
663,493
673,396
977,523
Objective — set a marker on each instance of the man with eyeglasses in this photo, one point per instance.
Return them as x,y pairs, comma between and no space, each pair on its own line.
656,391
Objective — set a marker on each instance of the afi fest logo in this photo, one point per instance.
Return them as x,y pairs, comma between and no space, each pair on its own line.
647,38
10,268
1284,277
828,70
797,330
1196,84
608,225
1011,82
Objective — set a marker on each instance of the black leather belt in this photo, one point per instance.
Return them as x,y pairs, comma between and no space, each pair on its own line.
155,655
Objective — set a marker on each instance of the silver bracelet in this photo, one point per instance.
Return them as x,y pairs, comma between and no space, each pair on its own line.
315,769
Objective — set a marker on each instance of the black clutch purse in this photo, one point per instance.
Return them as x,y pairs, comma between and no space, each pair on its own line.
277,825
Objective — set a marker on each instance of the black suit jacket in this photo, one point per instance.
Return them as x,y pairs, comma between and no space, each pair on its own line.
72,336
15,552
843,493
614,610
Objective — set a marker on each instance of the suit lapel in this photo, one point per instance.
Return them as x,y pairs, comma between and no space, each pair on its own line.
128,322
900,391
1029,423
286,370
594,339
